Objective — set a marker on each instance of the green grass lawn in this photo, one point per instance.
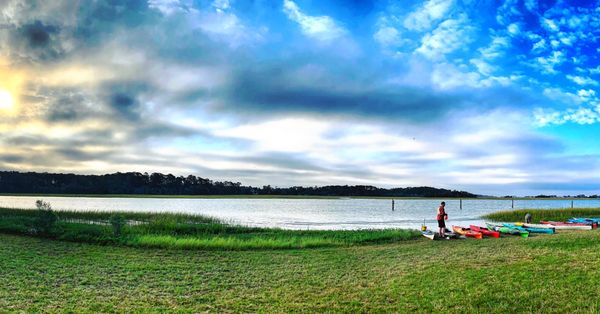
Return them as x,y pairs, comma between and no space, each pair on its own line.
553,273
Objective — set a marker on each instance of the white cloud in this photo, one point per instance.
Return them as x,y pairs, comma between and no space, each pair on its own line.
496,48
227,27
482,66
561,96
547,64
447,76
586,93
424,17
549,25
531,5
539,46
567,39
387,36
168,7
514,29
221,5
449,36
580,80
322,28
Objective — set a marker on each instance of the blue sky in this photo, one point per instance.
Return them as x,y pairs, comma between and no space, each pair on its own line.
494,97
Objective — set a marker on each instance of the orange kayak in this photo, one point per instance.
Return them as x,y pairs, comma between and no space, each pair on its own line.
485,231
467,232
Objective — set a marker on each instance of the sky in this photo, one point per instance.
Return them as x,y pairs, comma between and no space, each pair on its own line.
493,97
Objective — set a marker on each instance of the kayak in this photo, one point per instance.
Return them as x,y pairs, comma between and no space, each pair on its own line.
507,230
436,236
485,231
430,235
534,230
559,225
467,232
585,220
528,225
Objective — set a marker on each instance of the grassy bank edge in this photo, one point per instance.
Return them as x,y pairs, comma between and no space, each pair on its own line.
542,214
184,231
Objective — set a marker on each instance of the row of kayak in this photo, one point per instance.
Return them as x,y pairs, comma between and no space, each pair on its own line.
519,229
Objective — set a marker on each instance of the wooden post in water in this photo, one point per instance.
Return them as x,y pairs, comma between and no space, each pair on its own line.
461,203
571,203
512,204
392,205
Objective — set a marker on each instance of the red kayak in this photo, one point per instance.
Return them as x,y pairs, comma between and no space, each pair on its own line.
562,223
467,232
485,231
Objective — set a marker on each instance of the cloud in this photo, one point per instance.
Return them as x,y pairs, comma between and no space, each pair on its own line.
548,64
496,48
580,80
531,5
235,93
387,36
449,36
514,29
550,25
276,92
322,28
424,17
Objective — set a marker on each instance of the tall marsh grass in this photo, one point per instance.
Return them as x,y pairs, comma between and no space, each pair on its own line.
184,231
543,214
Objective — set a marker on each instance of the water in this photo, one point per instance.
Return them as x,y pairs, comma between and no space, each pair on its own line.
304,214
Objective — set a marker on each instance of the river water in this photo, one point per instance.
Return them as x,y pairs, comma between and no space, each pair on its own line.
306,214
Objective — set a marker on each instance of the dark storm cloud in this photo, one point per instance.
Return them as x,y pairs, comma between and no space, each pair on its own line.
123,98
68,107
277,92
125,104
34,42
11,158
38,34
76,154
35,35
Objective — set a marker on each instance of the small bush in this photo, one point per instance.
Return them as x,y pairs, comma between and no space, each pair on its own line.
46,217
117,222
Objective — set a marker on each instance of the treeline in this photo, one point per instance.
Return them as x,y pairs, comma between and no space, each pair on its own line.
168,184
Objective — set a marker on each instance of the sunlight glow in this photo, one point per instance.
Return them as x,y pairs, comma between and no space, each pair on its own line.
6,99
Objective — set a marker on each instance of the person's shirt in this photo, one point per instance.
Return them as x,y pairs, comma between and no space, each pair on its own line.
441,213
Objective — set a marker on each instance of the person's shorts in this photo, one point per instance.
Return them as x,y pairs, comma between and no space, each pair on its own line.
441,223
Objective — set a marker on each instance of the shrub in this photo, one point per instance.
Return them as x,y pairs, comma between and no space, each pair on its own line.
46,217
117,222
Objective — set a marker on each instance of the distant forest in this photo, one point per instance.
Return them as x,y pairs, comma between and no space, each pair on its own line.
168,184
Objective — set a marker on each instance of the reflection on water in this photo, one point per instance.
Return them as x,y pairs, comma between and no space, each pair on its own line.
342,213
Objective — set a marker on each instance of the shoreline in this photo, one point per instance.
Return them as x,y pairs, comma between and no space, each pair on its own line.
160,196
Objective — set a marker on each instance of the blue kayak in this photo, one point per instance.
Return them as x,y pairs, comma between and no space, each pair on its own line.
533,230
588,221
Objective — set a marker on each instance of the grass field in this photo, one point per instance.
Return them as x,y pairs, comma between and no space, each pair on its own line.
556,273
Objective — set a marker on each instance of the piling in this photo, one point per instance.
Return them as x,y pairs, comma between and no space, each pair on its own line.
512,203
392,205
460,203
571,203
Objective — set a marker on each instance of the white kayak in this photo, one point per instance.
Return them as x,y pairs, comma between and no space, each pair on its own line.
430,235
558,227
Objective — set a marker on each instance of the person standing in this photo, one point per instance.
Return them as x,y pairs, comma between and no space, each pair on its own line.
442,216
528,218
